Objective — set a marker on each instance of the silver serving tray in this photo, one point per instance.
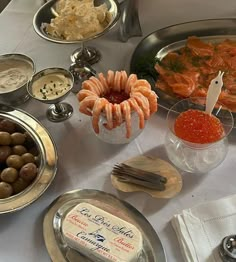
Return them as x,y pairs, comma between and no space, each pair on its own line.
48,159
47,12
169,39
57,248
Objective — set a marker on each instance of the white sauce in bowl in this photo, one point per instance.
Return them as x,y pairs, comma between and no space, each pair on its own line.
51,86
14,73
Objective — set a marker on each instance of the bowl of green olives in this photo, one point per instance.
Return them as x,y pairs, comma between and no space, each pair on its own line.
28,159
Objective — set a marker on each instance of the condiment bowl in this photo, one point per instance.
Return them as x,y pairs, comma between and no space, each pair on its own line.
47,12
14,67
89,54
51,86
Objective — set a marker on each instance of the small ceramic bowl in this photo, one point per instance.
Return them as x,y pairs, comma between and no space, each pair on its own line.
15,72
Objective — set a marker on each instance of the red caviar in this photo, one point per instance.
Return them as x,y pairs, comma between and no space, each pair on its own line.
198,127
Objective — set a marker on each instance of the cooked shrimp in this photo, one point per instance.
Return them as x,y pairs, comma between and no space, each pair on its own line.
99,105
98,84
86,106
110,79
104,82
134,105
125,95
130,82
117,114
109,116
124,79
143,103
117,82
151,96
89,85
125,108
84,93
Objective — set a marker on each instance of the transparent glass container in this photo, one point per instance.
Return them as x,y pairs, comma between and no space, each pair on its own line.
118,135
194,157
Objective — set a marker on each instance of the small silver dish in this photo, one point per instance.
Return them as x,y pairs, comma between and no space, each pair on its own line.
58,111
13,62
47,158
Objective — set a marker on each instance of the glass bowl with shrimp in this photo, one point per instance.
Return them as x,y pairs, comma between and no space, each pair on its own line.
119,105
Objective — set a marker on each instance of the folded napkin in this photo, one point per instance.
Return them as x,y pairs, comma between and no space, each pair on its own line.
200,229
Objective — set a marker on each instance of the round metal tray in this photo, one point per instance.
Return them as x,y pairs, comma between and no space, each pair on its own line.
48,159
58,249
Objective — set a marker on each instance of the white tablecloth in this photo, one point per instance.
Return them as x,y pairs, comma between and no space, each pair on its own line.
85,161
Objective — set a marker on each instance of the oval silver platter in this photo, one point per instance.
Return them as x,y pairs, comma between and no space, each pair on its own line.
159,43
48,159
59,251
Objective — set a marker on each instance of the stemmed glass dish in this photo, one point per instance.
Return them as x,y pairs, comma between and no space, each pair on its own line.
89,54
51,86
196,157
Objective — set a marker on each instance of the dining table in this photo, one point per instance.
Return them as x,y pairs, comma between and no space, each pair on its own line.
86,162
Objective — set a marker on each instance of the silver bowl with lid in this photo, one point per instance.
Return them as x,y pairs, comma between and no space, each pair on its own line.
15,72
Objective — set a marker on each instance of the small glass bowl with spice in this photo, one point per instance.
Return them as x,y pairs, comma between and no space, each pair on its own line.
51,86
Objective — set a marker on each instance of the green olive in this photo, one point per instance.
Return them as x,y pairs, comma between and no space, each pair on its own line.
9,175
5,138
19,185
6,190
7,126
19,150
17,138
28,172
15,161
5,152
28,158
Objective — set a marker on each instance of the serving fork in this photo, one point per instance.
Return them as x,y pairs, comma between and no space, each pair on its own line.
129,174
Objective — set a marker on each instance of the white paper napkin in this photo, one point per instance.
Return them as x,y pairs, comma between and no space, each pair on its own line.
200,229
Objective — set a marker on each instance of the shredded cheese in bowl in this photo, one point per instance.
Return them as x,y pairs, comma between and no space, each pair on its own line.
78,19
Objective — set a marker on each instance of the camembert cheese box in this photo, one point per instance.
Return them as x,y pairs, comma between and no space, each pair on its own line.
98,234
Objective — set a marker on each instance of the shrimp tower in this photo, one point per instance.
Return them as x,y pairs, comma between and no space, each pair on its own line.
117,96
